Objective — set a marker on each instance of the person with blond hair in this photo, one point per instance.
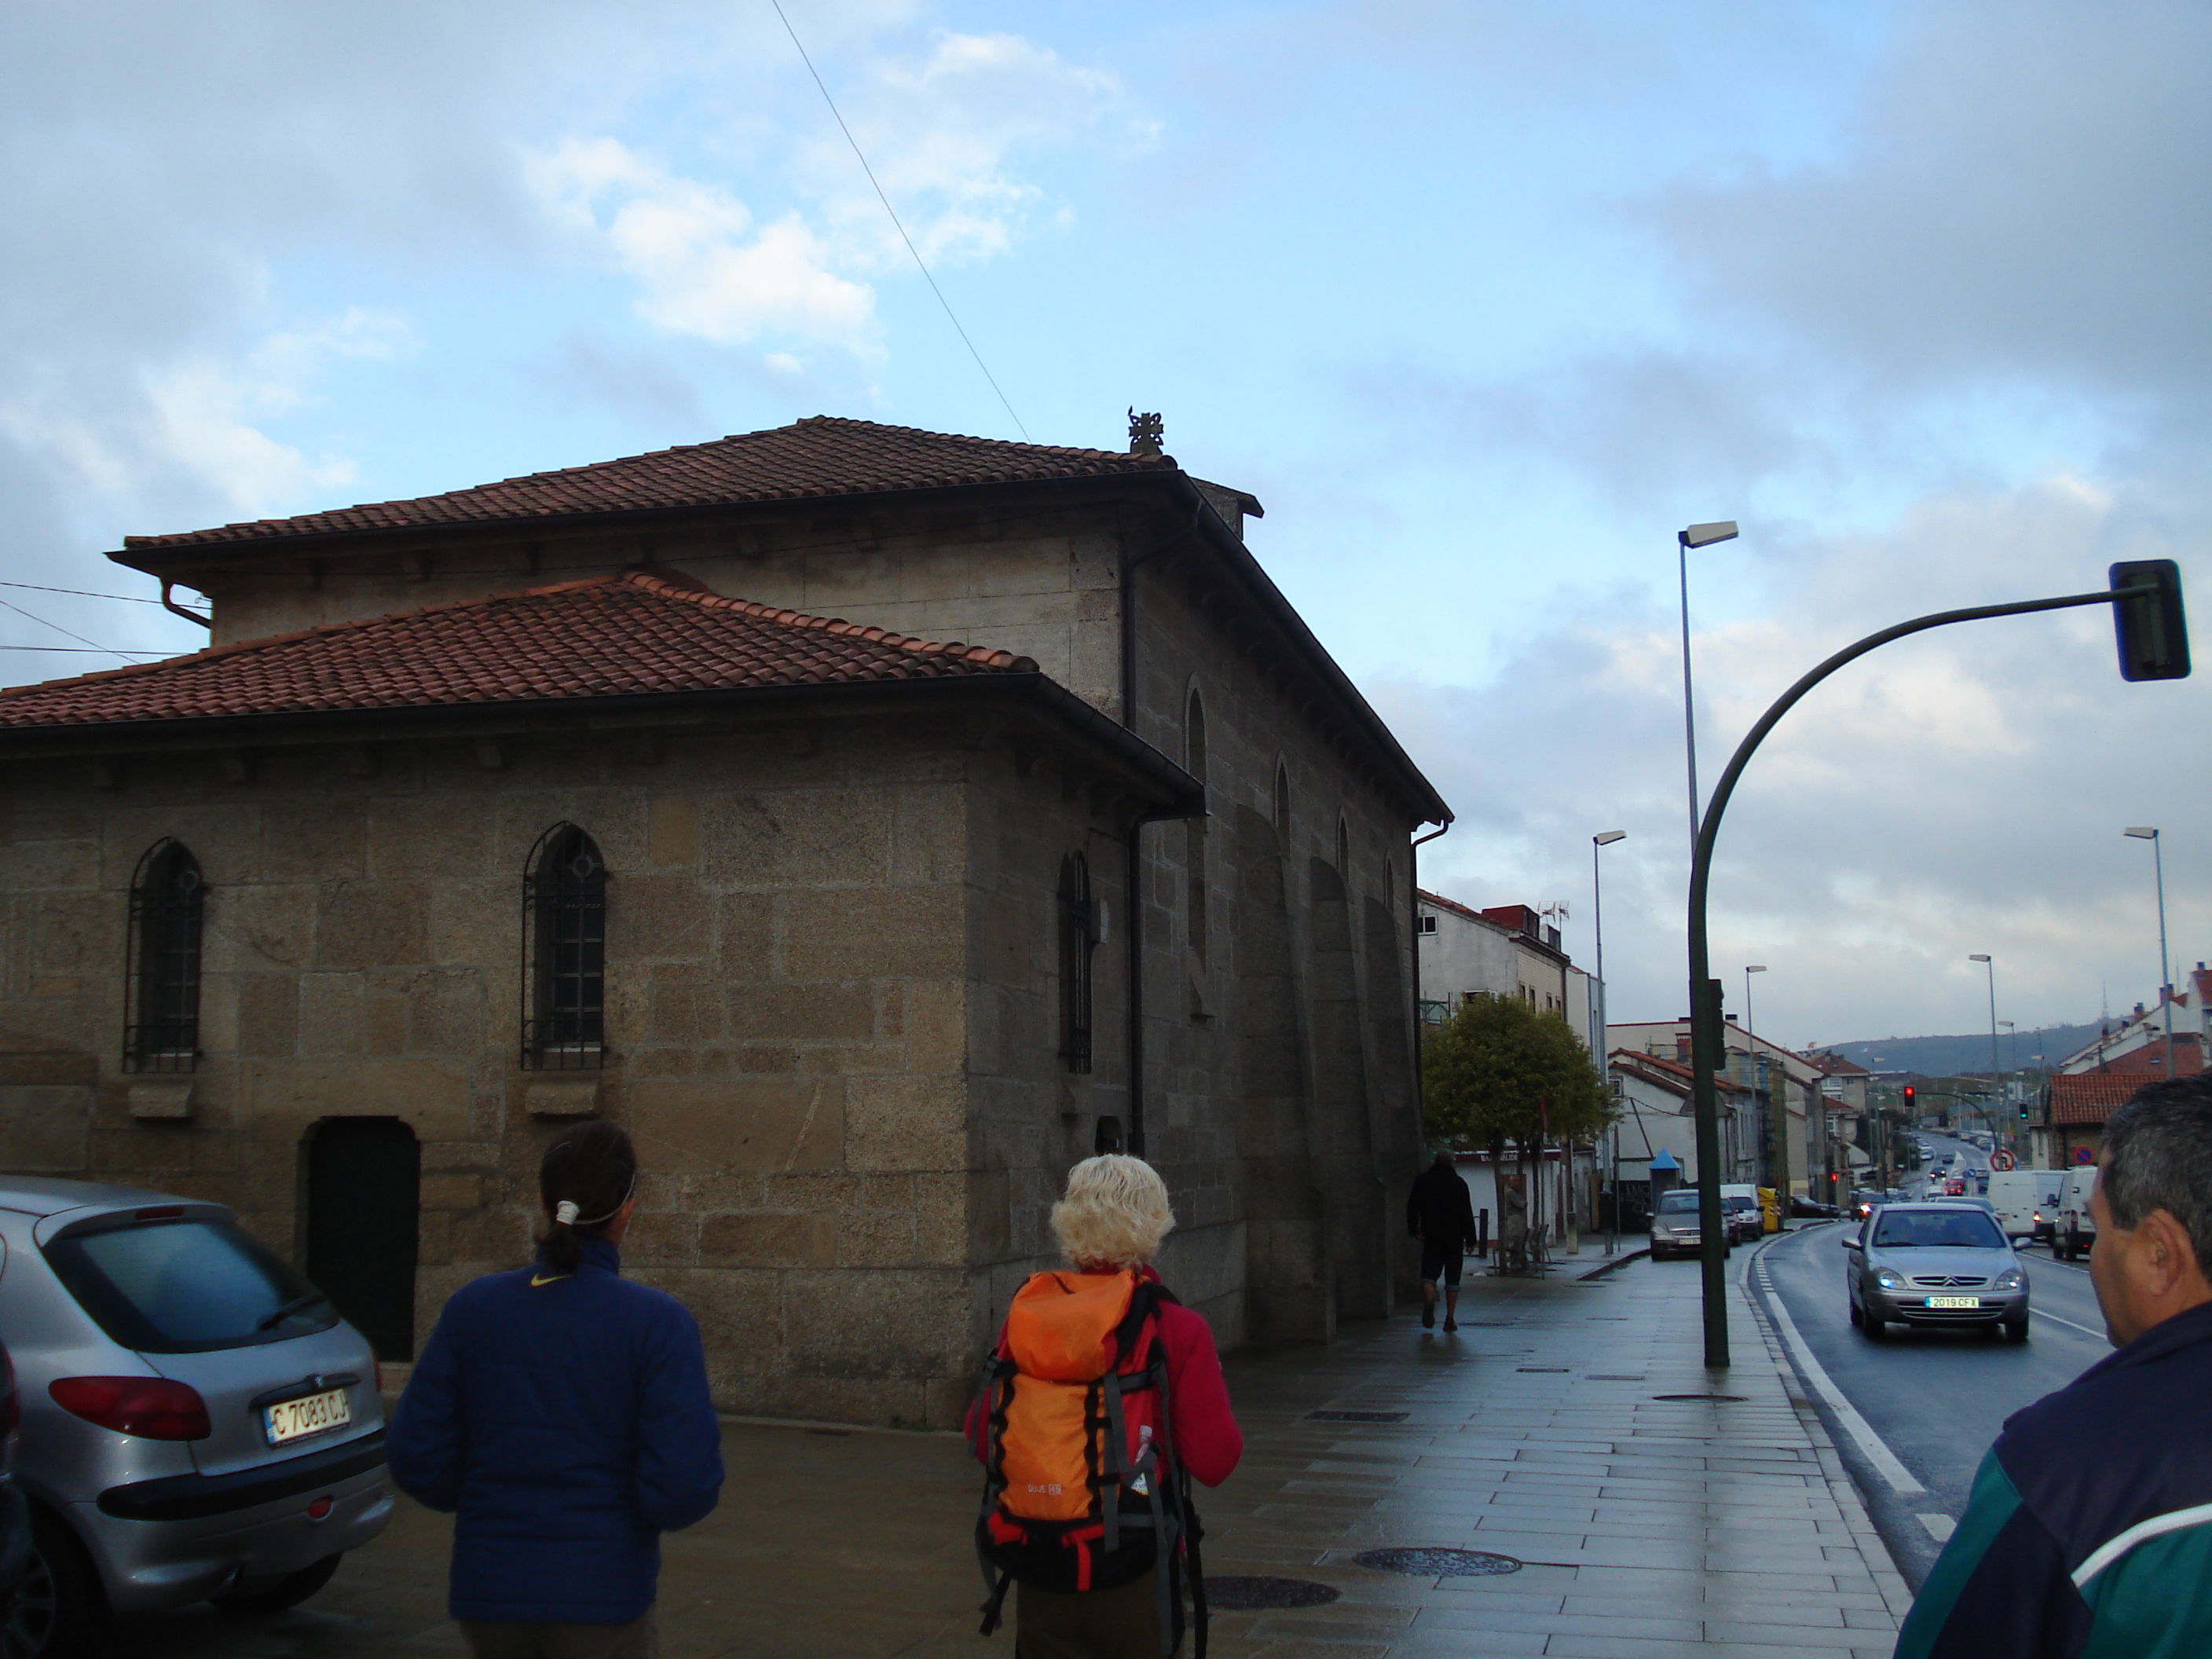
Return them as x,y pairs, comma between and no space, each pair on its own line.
1103,1400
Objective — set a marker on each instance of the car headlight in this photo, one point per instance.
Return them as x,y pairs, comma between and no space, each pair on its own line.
1888,1281
2010,1279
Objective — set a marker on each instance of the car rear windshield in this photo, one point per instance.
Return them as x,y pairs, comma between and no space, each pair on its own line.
1677,1202
186,1287
1738,1201
1935,1229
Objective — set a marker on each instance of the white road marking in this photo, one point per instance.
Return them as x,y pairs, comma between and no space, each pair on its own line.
1877,1453
2039,1315
1939,1527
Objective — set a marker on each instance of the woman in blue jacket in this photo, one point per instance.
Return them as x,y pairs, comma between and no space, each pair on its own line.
561,1413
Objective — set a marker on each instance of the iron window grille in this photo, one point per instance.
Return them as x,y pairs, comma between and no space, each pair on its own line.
1078,938
564,952
162,972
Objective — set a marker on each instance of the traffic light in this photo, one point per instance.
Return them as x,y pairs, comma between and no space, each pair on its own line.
2023,1111
1908,1097
2152,631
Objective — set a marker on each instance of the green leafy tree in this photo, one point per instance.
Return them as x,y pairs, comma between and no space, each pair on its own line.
1500,1071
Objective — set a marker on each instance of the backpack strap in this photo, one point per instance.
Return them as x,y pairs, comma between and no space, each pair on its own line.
1115,1462
993,1609
996,1393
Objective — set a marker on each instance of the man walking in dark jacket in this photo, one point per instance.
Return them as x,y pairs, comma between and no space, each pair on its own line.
563,1413
1440,1212
2089,1529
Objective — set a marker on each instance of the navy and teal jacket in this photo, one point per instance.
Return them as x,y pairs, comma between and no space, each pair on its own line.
565,1420
2090,1530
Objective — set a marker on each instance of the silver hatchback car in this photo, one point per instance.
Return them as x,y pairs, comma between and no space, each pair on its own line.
197,1421
1935,1264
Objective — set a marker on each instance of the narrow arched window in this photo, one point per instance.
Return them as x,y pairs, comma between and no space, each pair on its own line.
1282,802
1194,828
564,951
1344,849
1078,938
162,1030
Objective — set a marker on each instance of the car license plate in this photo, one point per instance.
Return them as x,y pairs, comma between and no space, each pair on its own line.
1954,1302
298,1420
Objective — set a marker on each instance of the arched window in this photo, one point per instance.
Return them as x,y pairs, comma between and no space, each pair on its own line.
1193,829
1282,802
162,1030
1343,849
1078,937
564,951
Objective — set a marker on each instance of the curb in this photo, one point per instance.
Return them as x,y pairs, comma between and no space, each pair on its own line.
1620,1261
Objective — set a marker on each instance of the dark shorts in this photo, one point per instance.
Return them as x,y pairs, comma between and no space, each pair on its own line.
1441,1259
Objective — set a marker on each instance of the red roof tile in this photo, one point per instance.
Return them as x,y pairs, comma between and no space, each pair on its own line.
821,456
2090,1098
625,635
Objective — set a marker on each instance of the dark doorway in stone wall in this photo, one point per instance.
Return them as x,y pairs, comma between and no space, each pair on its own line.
363,1184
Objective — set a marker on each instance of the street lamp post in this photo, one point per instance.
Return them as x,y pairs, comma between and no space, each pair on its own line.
1602,840
1777,1145
2154,644
1698,535
1987,963
2145,832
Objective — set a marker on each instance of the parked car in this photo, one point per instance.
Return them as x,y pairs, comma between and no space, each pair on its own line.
1747,1222
1676,1228
1932,1265
2026,1201
2074,1230
1811,1209
199,1424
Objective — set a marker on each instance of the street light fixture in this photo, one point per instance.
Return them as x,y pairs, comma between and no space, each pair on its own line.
1698,535
2145,832
1603,839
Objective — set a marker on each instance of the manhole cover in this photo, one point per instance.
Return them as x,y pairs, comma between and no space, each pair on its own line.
1437,1563
1354,1417
1236,1593
1560,1371
1700,1396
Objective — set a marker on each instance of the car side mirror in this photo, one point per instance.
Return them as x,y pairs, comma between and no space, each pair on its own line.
1848,1244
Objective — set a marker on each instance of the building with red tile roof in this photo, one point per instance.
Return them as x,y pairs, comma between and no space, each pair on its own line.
788,798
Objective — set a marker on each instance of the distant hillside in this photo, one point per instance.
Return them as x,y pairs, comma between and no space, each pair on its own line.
1951,1056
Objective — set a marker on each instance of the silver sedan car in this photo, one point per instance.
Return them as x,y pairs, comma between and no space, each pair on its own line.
198,1422
1934,1265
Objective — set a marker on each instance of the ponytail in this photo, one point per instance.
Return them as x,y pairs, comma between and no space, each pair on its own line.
587,1175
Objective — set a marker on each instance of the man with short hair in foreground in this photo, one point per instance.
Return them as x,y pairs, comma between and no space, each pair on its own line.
2089,1531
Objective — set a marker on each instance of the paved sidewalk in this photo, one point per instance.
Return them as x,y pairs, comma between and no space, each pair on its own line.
1646,1528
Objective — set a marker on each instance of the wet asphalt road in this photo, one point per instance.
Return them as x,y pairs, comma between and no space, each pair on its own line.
1936,1399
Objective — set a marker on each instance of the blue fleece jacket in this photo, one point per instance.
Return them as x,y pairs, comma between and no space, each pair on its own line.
566,1420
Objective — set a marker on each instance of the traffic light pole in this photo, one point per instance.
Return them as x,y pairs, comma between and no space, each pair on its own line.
1705,991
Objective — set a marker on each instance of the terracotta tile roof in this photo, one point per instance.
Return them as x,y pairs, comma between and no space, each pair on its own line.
2090,1098
821,456
622,635
1669,1073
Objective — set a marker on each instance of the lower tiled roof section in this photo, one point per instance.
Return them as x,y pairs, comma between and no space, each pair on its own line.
628,635
2090,1098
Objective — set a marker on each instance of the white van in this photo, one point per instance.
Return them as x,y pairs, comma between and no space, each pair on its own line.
2076,1231
2026,1200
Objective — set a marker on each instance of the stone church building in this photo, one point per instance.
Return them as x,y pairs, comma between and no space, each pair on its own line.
641,790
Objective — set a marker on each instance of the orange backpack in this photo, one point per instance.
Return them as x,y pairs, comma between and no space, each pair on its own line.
1080,1492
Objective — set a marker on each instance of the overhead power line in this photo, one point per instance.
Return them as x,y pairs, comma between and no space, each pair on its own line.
919,263
82,592
86,651
59,628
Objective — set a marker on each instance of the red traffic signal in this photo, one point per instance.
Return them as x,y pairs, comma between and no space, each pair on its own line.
2151,628
1908,1097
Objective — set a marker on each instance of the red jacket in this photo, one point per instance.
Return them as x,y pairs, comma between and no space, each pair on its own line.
1205,1440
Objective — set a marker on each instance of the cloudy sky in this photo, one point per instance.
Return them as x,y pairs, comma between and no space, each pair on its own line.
1484,300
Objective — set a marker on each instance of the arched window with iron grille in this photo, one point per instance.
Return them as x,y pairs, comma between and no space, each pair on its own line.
161,1025
1078,938
564,952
